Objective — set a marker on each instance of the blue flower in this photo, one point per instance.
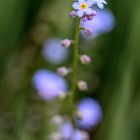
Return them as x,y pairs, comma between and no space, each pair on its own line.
91,113
100,3
102,23
66,129
54,45
49,85
68,132
83,7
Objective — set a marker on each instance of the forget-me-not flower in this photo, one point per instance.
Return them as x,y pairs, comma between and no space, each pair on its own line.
49,85
83,7
53,52
91,113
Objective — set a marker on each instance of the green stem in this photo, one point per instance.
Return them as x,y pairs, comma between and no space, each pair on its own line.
75,57
74,67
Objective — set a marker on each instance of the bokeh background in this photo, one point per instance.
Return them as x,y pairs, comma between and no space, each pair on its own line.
113,76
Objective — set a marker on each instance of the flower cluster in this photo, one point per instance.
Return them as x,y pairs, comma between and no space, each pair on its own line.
87,113
84,8
90,115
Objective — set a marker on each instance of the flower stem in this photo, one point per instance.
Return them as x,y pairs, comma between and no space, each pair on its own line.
74,68
75,57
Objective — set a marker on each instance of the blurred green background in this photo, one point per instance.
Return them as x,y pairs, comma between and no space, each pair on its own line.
25,24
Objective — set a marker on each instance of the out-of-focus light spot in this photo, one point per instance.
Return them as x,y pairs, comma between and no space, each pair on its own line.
80,135
48,84
103,22
53,52
82,85
66,130
57,120
91,113
55,136
69,133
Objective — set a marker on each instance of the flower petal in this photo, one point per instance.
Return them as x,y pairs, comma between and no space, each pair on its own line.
91,2
100,5
89,11
80,13
75,5
104,2
81,1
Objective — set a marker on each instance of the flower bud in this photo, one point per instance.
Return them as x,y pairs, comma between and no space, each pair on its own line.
82,85
66,43
73,14
85,59
63,71
94,13
84,135
57,120
55,136
84,18
87,32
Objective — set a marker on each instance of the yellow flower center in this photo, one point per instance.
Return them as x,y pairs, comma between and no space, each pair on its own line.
83,6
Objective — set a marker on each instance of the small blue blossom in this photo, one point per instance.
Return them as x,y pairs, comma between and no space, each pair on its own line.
103,23
49,85
100,3
66,130
91,113
69,133
83,7
54,45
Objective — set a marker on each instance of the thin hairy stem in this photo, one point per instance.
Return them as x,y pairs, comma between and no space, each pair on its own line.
74,67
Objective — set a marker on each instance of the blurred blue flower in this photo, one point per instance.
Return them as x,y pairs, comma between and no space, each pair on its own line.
102,23
53,51
69,133
80,135
91,113
66,129
48,84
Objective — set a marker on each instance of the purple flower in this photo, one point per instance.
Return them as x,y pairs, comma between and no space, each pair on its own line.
73,14
102,23
66,43
88,32
63,71
83,7
89,17
54,45
85,59
49,85
82,85
91,113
